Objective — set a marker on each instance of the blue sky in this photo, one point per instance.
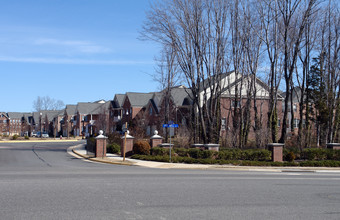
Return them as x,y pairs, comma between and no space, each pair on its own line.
72,50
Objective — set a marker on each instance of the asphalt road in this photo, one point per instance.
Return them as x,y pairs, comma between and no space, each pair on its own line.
42,181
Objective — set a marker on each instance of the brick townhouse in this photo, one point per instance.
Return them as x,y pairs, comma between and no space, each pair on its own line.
91,117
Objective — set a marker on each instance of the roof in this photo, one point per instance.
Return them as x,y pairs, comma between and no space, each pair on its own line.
139,99
17,115
118,100
70,109
86,108
51,114
179,94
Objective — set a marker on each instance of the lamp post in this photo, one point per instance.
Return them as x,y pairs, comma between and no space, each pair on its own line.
9,126
83,128
40,125
127,114
72,126
67,129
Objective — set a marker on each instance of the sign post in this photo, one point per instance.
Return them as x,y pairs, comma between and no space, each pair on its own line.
170,125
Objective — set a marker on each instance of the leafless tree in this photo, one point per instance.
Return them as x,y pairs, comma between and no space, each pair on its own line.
197,31
294,15
47,103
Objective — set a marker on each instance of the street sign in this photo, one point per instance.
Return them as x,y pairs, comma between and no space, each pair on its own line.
170,125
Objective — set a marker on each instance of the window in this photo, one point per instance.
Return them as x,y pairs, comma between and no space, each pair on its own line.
296,123
223,124
295,107
235,104
150,111
279,123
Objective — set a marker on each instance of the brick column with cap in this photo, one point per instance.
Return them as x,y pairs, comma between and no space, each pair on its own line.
100,145
156,140
277,151
129,144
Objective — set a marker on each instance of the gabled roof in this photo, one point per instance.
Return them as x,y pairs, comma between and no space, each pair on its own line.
4,114
15,115
70,109
51,114
138,99
244,78
86,108
118,100
180,94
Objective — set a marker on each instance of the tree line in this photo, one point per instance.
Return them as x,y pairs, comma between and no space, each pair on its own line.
292,45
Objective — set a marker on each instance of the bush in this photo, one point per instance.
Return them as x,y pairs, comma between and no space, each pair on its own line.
141,147
290,156
91,144
324,163
194,153
182,152
26,137
295,150
251,154
314,153
15,137
113,148
159,151
114,138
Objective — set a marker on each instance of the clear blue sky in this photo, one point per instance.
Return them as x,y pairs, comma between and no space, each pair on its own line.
72,50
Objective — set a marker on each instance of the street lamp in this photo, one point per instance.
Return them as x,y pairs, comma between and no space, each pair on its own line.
83,127
40,125
127,114
9,126
67,129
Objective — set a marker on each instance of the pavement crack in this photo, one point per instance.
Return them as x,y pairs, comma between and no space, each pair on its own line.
40,158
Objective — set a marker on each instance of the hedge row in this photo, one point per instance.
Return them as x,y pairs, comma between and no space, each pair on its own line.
225,154
178,159
311,154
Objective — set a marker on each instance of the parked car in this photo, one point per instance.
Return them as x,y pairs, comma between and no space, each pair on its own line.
34,134
45,135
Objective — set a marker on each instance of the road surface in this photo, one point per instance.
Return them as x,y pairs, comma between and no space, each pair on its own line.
43,181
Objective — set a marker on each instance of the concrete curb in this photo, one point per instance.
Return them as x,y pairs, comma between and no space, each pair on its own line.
100,160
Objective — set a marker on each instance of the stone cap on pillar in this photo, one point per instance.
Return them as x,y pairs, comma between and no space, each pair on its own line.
128,136
156,136
275,145
101,136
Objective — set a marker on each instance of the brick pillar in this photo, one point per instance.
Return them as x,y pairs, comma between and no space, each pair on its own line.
156,140
129,145
100,145
277,151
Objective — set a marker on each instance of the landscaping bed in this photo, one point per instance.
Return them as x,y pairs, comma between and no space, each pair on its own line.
311,157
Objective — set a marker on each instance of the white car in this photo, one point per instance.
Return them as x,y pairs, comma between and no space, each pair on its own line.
45,135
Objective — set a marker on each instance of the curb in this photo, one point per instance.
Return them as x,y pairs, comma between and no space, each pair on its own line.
101,160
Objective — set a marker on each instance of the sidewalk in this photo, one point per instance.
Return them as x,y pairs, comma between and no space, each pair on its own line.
117,159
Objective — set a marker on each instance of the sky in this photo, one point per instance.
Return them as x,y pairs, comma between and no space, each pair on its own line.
73,50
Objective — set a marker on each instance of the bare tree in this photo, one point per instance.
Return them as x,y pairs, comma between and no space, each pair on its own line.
47,103
196,30
292,30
